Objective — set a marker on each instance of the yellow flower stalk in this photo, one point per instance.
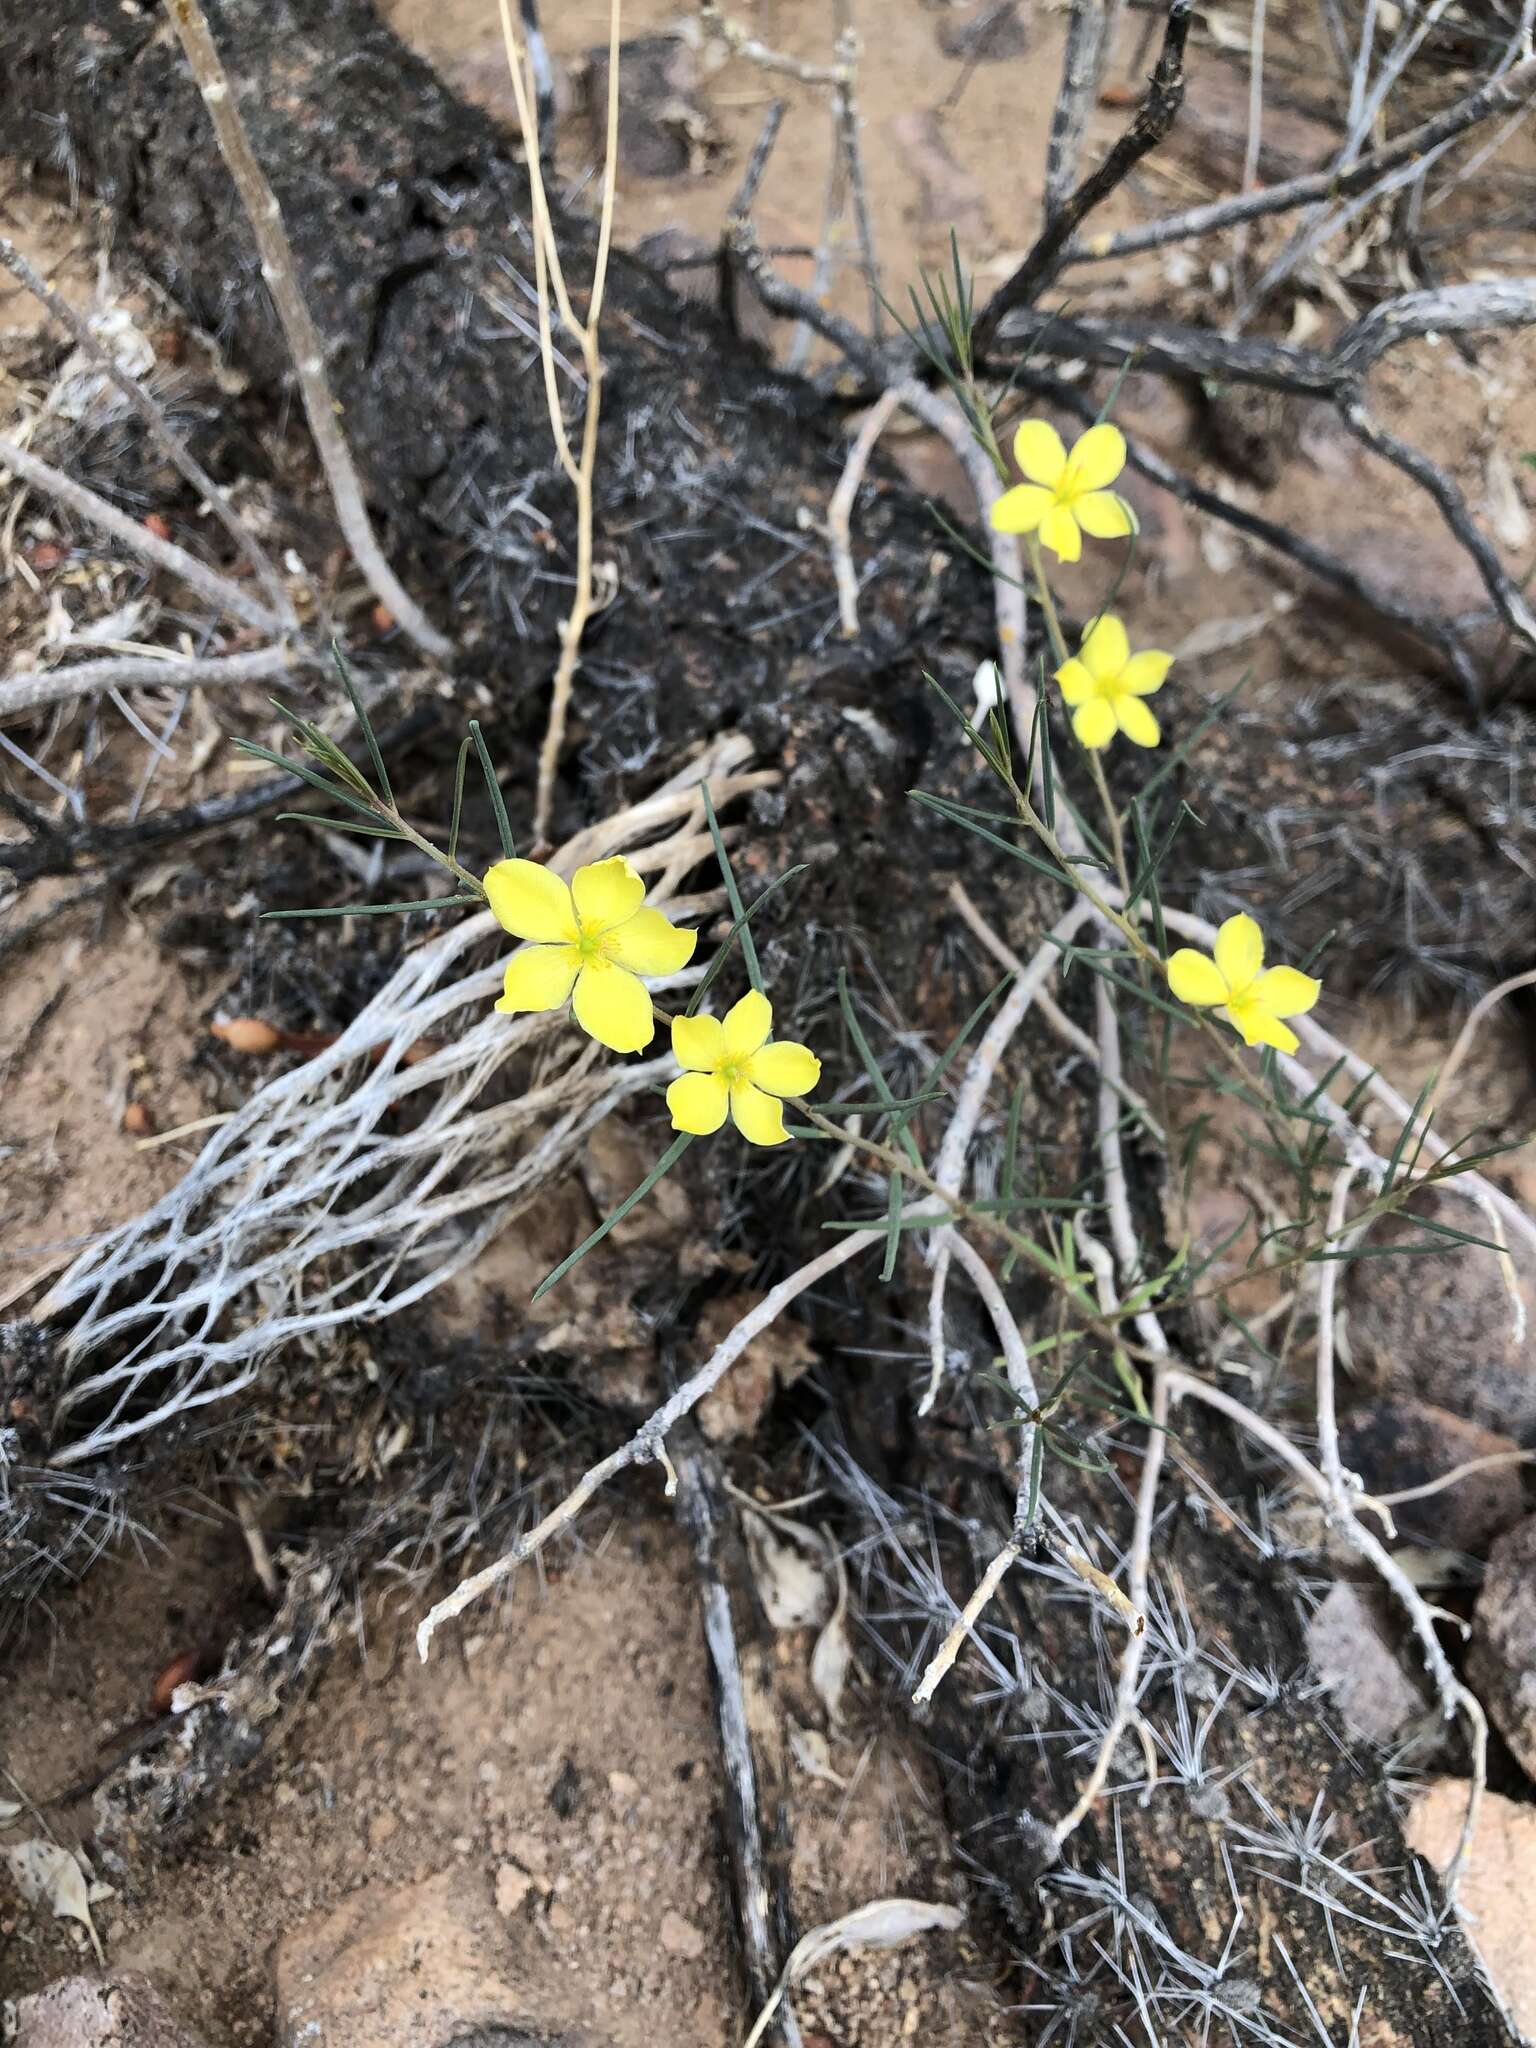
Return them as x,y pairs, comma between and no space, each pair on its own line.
1236,984
729,1066
591,941
1066,495
1105,685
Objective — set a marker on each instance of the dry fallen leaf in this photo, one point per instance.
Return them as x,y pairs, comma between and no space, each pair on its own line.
47,1875
833,1654
883,1923
791,1586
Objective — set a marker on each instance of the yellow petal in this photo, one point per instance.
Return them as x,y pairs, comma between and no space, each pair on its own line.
758,1117
1196,980
649,943
747,1024
1135,720
1103,515
698,1103
1058,532
529,902
1144,673
1286,991
607,892
698,1042
1097,458
785,1068
1259,1026
1239,952
1021,509
539,978
1106,648
614,1008
1077,685
1038,451
1094,722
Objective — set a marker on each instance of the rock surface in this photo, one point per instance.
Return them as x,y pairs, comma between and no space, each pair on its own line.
1502,1662
121,2011
1397,1444
1355,1656
1440,1326
1497,1884
412,1966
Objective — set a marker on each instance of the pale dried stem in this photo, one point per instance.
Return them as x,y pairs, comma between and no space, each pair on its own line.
131,671
159,426
1454,1696
840,509
648,1441
137,538
299,330
580,469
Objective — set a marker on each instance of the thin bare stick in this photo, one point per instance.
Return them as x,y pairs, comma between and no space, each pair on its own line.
845,120
943,1660
840,509
159,426
648,1440
1497,96
1489,1463
1468,1032
135,536
1138,1571
91,678
580,469
304,343
1454,1696
1081,64
1152,123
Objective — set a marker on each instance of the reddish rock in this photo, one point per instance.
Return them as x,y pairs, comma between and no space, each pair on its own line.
121,2011
1440,1325
1396,1445
1501,1665
1498,1883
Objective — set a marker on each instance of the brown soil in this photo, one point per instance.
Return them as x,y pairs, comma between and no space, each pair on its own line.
564,1747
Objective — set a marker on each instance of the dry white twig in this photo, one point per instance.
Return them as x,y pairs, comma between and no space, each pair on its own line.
155,420
137,538
840,509
132,671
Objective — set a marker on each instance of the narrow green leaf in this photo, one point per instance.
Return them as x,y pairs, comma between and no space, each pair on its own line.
366,723
337,824
305,774
663,1166
736,930
458,796
373,909
498,805
733,895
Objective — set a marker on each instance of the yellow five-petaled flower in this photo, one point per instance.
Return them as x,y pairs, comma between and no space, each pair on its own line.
1067,495
1105,683
591,938
729,1065
1251,999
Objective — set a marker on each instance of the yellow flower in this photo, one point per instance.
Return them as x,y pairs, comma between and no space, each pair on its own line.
1105,684
592,937
1251,1001
1067,495
730,1065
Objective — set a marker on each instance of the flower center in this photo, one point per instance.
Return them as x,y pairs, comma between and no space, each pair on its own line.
592,944
732,1070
